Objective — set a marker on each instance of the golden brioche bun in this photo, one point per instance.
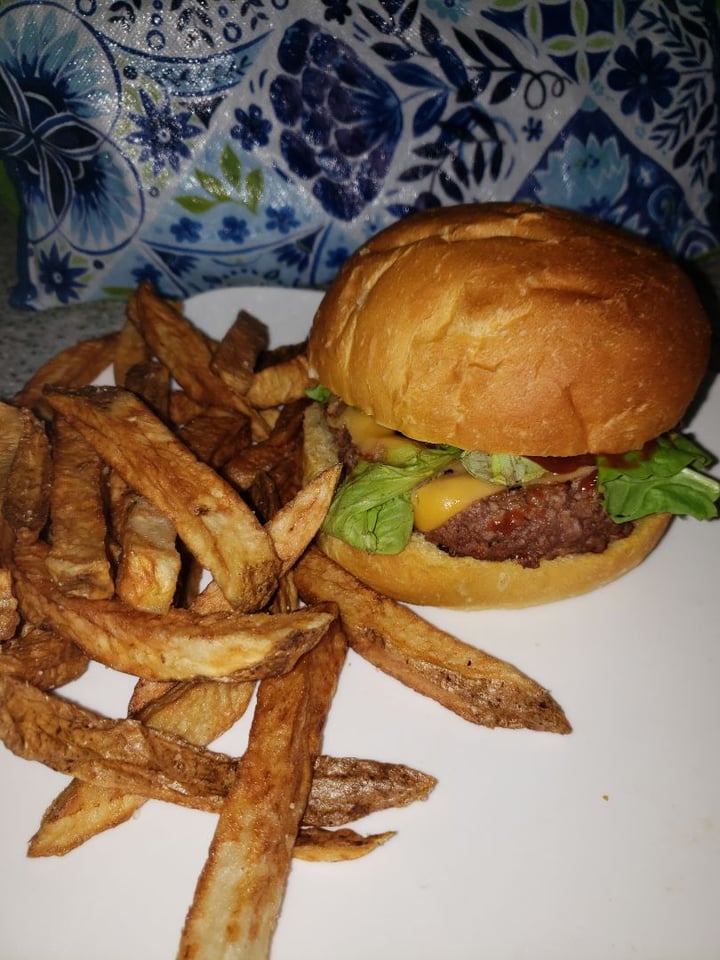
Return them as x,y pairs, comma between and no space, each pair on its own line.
423,574
513,328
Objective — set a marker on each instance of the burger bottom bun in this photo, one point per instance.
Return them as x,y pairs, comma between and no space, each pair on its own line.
422,574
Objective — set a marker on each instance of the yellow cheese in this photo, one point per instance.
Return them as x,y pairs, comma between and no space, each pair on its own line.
439,500
375,441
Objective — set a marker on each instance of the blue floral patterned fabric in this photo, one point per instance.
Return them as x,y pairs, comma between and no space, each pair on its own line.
200,143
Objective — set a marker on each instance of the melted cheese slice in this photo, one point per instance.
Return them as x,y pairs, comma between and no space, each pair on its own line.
374,440
440,499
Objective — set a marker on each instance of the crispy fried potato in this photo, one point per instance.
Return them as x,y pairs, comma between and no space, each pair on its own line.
236,355
11,430
347,788
26,502
477,686
77,559
293,526
9,617
333,846
149,562
178,645
185,351
216,434
210,517
76,366
151,382
197,711
240,890
131,350
42,657
280,383
121,754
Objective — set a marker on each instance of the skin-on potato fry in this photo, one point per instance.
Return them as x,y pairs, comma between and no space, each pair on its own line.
185,351
121,754
198,711
236,355
11,429
293,526
26,503
280,383
149,562
333,846
178,645
9,617
216,434
43,658
131,349
151,382
209,516
347,788
78,560
240,890
76,366
477,686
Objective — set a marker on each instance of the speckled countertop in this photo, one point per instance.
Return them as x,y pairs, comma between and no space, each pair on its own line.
28,338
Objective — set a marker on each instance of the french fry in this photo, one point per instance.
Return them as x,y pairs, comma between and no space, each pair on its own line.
240,890
178,645
236,355
11,429
9,617
121,754
347,788
77,559
293,527
26,502
149,562
76,366
333,846
475,685
197,711
151,382
280,383
280,455
215,434
209,516
42,658
185,351
131,349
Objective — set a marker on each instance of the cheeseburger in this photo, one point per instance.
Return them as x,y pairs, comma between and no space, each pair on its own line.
503,383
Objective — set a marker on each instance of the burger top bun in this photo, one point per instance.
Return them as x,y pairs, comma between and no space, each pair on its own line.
513,328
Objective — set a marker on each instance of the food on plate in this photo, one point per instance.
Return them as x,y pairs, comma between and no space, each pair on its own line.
177,645
240,890
317,844
162,528
474,684
42,657
77,559
213,520
503,383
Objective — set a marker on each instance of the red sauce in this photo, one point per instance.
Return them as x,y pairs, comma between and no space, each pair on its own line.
562,465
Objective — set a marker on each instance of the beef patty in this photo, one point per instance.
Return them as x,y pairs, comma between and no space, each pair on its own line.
529,524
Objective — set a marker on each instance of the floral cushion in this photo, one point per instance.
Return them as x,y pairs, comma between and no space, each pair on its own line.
201,143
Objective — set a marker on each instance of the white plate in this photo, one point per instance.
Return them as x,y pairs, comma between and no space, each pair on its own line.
602,844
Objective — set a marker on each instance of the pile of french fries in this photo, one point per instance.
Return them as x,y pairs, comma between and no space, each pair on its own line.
162,528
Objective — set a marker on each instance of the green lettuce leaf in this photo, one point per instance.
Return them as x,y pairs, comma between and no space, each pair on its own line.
372,509
319,393
665,481
502,468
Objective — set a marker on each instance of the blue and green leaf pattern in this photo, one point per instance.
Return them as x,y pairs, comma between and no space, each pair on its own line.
202,144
